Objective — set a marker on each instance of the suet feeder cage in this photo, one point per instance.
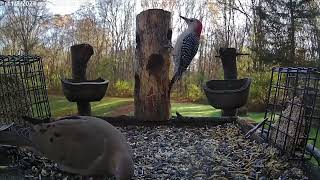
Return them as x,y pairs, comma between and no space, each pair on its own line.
22,89
293,111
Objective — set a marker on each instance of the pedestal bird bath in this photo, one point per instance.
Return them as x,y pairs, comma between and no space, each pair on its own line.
88,91
227,94
79,89
230,93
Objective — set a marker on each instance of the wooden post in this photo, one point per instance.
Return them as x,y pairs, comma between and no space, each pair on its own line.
152,63
80,55
229,64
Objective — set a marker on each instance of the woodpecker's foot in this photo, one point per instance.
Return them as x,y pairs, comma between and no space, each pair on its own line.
168,46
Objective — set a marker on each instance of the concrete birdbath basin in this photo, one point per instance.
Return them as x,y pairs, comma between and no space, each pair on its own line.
227,94
85,91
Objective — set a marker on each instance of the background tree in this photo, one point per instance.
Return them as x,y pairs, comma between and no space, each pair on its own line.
284,32
22,25
287,24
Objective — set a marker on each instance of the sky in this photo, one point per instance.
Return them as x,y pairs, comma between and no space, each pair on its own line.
70,6
66,6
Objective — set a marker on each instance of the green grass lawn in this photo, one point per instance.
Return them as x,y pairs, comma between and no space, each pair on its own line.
61,107
196,110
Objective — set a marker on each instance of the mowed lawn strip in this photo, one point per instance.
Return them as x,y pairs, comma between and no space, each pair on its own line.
60,106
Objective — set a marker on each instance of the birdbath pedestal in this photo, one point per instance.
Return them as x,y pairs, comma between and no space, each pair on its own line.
79,89
230,93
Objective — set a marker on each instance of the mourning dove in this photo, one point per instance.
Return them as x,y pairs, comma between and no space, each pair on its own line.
82,145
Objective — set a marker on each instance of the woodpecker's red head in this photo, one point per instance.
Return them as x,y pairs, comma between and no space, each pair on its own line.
193,24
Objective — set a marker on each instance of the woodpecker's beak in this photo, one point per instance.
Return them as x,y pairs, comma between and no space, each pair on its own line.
186,19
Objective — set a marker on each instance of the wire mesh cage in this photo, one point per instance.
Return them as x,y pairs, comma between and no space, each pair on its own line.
293,112
22,89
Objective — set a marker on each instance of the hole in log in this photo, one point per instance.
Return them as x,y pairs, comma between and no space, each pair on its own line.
169,34
137,39
137,83
155,63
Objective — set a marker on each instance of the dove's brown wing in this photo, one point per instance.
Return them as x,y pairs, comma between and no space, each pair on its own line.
75,143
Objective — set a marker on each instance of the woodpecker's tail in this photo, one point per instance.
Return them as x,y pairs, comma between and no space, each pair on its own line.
171,83
177,76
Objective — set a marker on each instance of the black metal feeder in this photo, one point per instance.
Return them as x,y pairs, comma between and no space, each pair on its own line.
230,93
227,94
22,89
293,112
87,91
79,89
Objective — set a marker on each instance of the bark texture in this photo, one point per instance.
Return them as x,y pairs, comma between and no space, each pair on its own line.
152,64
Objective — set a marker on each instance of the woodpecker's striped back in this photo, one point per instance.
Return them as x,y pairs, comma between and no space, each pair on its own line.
189,48
186,48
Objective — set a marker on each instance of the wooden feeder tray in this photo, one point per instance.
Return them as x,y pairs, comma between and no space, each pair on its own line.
84,91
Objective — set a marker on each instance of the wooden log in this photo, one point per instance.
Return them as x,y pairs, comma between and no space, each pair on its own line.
80,55
152,63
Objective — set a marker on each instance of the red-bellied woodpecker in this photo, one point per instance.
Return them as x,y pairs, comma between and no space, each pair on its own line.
186,48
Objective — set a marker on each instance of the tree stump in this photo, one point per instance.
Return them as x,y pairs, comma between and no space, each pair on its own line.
80,55
152,64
